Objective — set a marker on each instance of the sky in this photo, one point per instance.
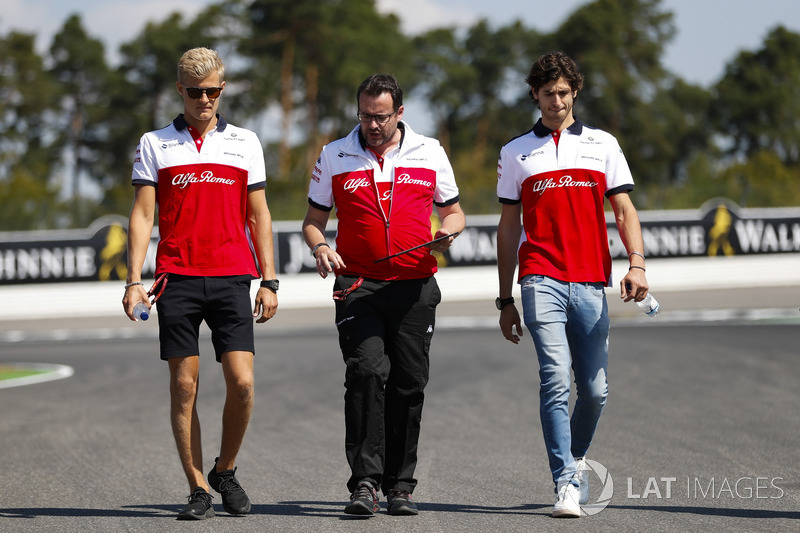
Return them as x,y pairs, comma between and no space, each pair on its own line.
710,33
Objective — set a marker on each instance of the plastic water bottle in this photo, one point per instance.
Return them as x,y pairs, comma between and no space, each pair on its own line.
649,305
141,311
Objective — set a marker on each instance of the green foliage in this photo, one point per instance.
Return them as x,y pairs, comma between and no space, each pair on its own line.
762,179
79,67
310,55
302,60
28,148
758,99
478,101
27,202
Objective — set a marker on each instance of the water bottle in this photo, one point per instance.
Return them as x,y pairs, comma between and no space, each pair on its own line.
141,311
649,305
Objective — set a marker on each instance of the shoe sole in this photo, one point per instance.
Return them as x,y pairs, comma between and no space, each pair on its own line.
236,512
209,514
566,513
403,511
359,509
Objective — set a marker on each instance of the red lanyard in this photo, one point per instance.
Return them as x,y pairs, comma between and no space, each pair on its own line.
342,294
160,280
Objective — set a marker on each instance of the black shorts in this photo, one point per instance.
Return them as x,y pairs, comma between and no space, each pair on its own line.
223,302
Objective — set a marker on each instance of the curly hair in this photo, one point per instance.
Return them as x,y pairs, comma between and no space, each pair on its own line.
550,67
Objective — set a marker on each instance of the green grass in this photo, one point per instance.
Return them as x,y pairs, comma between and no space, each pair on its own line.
8,372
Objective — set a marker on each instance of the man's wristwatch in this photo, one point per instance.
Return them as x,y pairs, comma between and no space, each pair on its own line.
500,303
271,284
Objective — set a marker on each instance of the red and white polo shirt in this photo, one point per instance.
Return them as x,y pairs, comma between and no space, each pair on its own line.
201,189
561,178
383,207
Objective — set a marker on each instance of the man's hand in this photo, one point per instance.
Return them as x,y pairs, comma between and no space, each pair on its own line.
266,305
327,260
133,295
444,244
509,320
634,285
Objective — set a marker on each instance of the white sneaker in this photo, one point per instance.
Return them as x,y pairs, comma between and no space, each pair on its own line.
582,474
567,505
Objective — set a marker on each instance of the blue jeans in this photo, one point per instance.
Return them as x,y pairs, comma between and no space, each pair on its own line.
569,325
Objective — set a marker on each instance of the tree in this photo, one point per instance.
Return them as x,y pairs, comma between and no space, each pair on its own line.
321,50
757,103
474,85
618,45
149,65
142,94
81,71
678,129
499,64
278,29
301,60
26,159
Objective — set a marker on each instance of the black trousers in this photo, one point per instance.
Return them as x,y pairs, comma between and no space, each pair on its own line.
385,331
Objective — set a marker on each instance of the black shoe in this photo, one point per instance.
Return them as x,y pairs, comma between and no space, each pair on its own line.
234,499
364,501
401,503
199,506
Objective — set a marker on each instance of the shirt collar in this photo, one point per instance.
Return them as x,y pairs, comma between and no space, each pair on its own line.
181,124
543,131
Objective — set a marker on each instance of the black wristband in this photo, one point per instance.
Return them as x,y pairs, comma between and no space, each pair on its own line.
634,266
314,250
271,284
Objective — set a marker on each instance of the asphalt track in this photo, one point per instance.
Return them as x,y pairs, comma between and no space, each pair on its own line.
700,432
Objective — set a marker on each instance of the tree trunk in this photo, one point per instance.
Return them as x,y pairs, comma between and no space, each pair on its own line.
313,145
481,140
287,105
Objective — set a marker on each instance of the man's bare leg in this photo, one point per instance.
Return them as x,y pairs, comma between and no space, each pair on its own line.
183,387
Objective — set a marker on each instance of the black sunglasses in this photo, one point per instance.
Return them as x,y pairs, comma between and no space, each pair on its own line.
196,92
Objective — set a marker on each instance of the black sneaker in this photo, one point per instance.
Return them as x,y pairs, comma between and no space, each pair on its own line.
234,499
401,503
199,506
364,501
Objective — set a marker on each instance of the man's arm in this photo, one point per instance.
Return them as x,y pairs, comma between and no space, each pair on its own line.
634,285
140,228
259,221
314,233
453,221
509,231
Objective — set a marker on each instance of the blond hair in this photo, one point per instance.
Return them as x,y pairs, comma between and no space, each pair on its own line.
200,63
